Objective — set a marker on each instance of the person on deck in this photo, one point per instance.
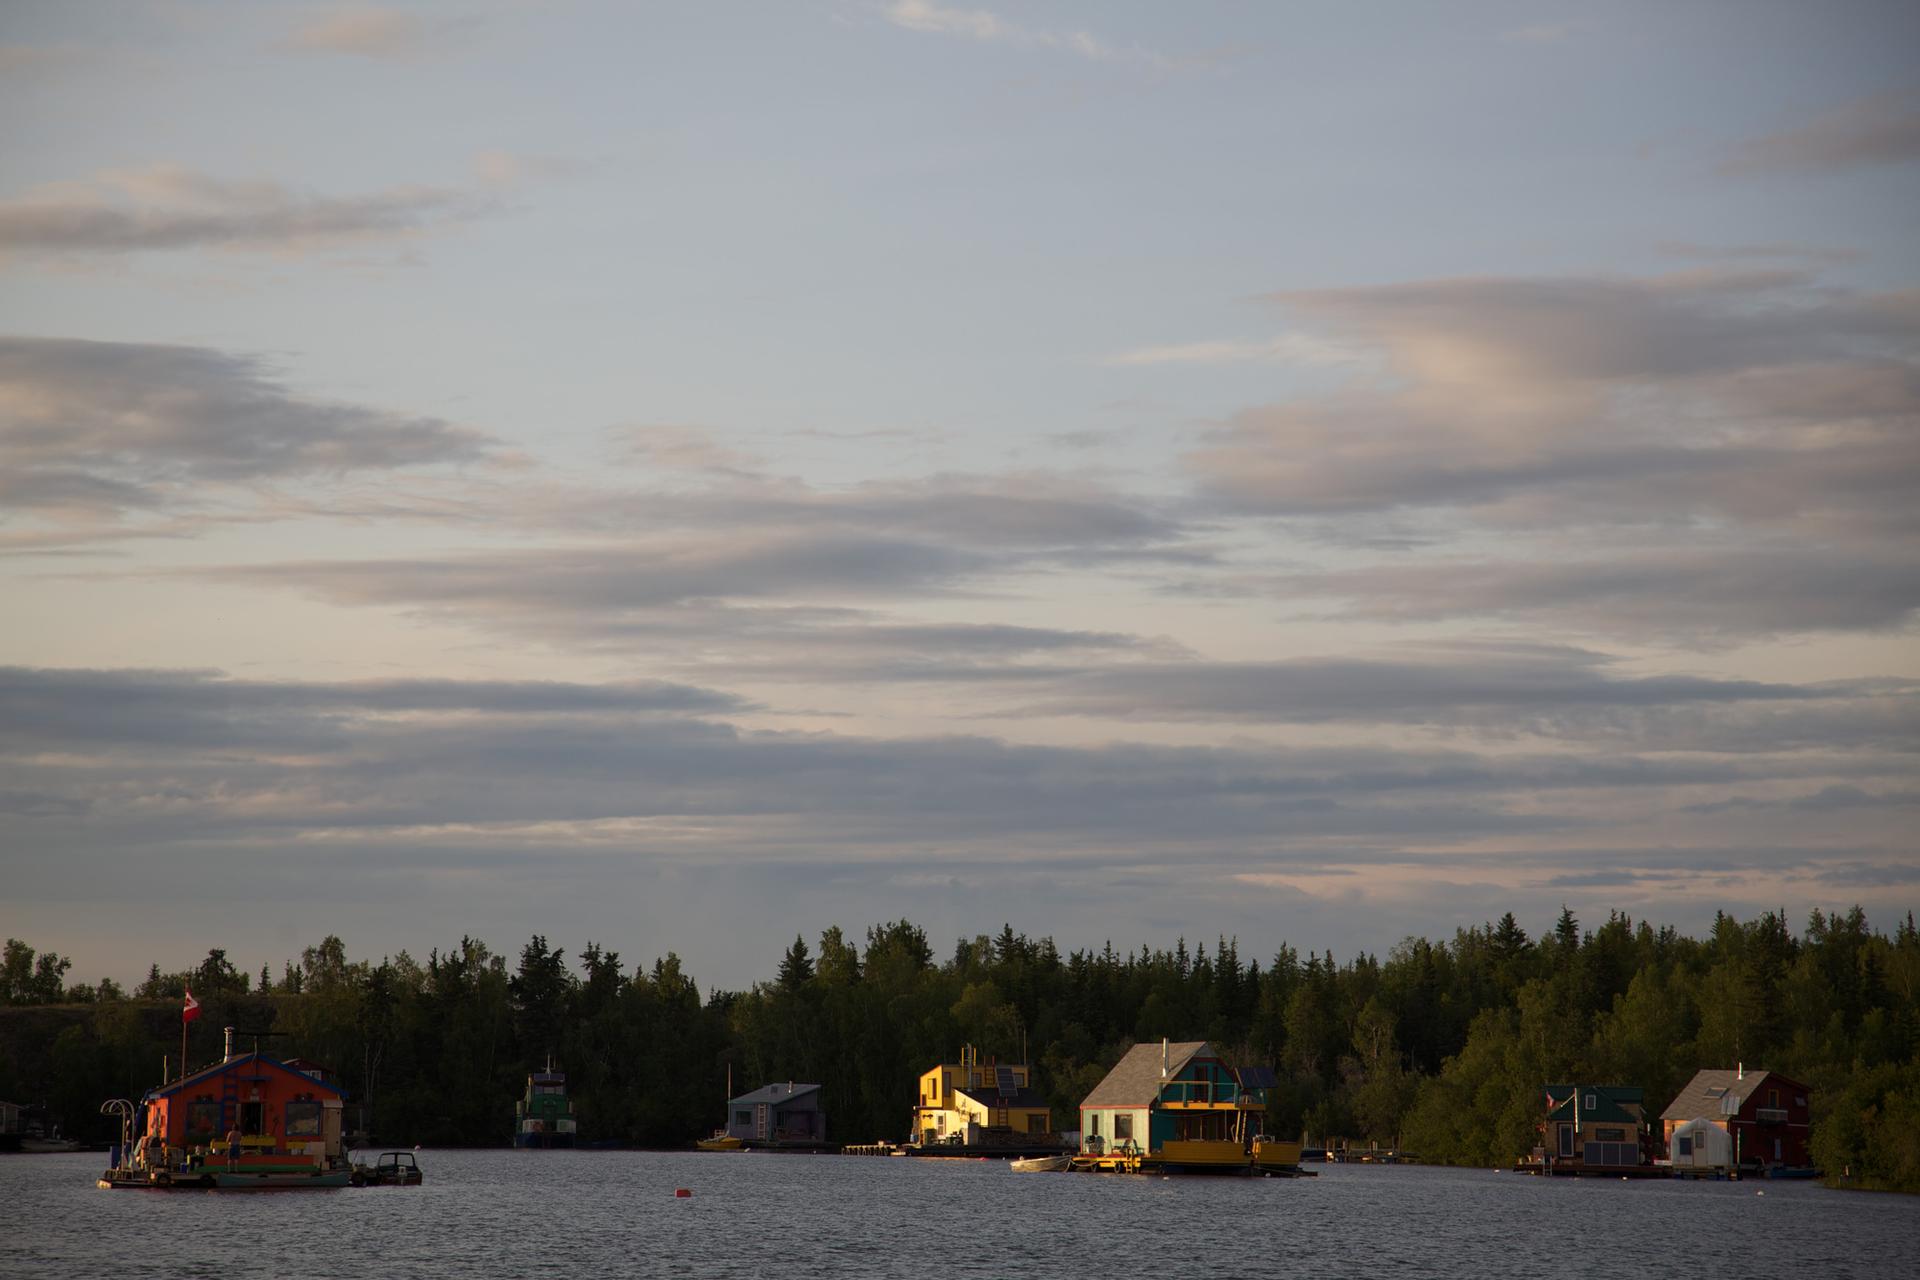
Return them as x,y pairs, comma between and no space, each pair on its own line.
233,1147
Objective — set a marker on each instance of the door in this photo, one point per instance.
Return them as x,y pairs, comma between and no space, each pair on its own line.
253,1118
1566,1142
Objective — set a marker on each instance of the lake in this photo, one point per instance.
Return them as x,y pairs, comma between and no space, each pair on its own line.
563,1213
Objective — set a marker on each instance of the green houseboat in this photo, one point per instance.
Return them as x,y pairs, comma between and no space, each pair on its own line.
544,1117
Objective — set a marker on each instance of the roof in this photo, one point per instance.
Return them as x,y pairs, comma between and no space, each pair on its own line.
785,1091
1702,1095
1610,1101
988,1096
238,1060
1135,1080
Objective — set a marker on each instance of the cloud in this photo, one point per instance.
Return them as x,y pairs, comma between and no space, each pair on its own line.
1868,133
1506,684
1589,392
988,27
204,756
431,800
1680,593
384,34
169,208
611,581
1288,348
112,426
131,710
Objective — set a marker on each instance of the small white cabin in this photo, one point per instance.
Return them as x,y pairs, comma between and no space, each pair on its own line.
1700,1144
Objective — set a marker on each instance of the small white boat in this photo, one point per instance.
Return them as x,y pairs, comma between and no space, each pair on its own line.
1042,1164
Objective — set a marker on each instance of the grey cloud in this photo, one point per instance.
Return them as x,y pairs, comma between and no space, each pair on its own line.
111,425
1868,133
1827,799
388,795
1033,513
1710,592
1583,328
141,709
192,751
604,582
1728,416
174,209
1457,687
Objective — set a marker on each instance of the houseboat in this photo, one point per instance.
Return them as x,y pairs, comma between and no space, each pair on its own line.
787,1116
1592,1130
1762,1116
544,1115
1181,1108
248,1123
981,1108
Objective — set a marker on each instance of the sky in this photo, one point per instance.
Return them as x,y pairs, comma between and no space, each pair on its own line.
683,476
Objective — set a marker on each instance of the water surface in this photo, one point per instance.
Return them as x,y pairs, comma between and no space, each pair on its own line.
565,1213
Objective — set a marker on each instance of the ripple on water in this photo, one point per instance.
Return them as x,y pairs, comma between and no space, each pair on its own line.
566,1213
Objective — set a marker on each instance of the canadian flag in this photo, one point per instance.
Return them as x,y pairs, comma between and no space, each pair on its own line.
192,1009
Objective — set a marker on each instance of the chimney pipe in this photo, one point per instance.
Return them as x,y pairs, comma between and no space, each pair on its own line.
1740,1070
228,1055
1164,1059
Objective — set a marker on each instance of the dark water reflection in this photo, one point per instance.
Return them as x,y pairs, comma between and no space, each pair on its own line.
503,1213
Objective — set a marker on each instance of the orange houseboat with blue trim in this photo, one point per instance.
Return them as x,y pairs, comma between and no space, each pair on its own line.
287,1120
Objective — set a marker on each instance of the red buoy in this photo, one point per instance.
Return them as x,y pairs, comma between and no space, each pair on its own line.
681,1193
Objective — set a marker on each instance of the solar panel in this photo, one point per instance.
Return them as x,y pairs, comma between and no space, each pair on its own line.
1004,1082
1258,1078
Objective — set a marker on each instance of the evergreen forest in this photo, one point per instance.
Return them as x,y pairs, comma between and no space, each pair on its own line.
1440,1048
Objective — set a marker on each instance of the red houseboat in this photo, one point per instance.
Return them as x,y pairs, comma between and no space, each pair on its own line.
249,1122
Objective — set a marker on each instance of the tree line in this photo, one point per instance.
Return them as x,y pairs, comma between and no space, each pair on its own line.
1439,1048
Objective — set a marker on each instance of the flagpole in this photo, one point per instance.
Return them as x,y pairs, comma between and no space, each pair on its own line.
188,1012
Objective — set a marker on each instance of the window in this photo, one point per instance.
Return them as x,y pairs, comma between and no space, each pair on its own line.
1609,1135
743,1117
203,1121
1773,1098
1036,1123
1590,1102
1093,1123
1123,1127
303,1119
1686,1146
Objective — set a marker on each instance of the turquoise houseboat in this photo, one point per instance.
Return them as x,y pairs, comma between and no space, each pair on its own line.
1180,1107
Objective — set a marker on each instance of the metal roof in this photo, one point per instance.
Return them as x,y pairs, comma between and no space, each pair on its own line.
785,1091
1135,1080
992,1097
1610,1102
1258,1078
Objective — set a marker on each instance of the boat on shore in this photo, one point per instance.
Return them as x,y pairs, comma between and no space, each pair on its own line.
721,1141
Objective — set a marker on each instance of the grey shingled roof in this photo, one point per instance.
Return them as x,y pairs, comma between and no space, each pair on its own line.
1135,1079
783,1092
1695,1101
